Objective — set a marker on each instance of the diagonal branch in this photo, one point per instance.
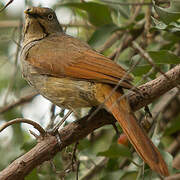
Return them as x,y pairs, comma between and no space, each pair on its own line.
155,88
20,101
73,132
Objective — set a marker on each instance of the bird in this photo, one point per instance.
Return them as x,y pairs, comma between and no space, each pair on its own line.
69,73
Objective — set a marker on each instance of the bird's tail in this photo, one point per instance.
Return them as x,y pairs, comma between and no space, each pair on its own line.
136,135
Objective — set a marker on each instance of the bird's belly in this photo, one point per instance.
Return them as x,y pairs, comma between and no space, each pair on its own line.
64,92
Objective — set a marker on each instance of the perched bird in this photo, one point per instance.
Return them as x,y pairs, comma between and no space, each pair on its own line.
72,75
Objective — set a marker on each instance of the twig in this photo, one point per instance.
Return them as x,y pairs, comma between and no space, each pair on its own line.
148,24
119,49
117,35
160,106
27,121
163,103
20,101
174,147
74,153
136,12
12,80
116,129
77,170
173,177
9,23
95,169
132,3
52,117
113,38
16,23
62,121
128,41
176,162
6,5
34,134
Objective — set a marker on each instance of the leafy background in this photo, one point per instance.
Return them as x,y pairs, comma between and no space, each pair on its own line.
156,26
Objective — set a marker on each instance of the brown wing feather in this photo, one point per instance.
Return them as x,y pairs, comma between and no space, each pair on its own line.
70,57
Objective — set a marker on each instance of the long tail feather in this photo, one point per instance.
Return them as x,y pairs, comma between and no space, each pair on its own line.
138,138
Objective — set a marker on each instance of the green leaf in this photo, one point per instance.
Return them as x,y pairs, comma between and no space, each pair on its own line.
28,145
174,127
141,69
172,27
174,6
164,57
159,24
148,174
99,14
159,57
84,144
168,15
115,151
33,175
101,34
168,46
129,175
165,16
168,159
114,175
171,37
113,164
156,138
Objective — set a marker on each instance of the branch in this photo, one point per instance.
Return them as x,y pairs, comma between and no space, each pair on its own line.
95,169
133,3
20,101
23,120
73,132
176,162
173,177
155,88
6,5
17,23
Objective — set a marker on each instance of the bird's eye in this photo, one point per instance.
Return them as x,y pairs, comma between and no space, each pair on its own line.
50,17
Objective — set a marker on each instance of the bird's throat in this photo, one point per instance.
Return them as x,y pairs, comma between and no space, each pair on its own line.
33,31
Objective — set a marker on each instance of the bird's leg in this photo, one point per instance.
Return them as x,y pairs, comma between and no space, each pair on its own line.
54,131
58,125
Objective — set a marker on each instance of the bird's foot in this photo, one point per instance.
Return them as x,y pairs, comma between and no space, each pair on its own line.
54,130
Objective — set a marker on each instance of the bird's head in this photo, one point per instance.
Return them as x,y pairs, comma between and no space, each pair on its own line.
40,22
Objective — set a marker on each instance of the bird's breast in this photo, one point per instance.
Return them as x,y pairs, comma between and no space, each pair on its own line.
64,92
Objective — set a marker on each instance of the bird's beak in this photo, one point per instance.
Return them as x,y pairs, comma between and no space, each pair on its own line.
29,11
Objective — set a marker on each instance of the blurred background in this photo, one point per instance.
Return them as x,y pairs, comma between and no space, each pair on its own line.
110,27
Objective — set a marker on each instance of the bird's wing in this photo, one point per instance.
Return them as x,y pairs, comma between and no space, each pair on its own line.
65,56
